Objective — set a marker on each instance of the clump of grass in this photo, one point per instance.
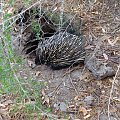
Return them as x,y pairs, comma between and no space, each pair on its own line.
36,29
27,90
26,2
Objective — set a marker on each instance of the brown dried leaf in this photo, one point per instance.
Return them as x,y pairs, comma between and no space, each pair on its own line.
83,110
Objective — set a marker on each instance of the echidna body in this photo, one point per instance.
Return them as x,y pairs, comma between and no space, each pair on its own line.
61,50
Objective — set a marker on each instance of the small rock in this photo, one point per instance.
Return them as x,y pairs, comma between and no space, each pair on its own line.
112,118
56,106
98,68
60,106
63,107
89,100
105,117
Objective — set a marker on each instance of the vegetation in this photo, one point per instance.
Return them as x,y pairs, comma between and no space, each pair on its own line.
23,90
22,94
36,29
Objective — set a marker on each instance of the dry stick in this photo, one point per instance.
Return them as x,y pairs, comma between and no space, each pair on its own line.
73,85
111,91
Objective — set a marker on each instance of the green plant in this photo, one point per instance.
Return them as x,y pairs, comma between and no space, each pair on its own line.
11,65
26,2
36,29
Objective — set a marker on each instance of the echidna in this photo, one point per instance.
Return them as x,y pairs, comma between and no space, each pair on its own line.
55,49
61,50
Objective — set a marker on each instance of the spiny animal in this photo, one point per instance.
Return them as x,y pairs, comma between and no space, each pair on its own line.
60,50
55,49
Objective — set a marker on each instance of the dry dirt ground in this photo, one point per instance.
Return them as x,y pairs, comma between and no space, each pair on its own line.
75,91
